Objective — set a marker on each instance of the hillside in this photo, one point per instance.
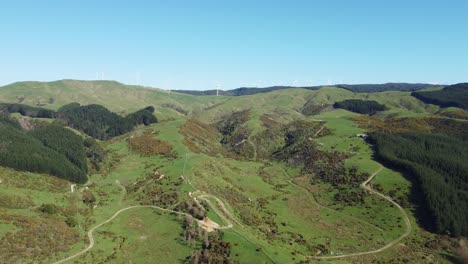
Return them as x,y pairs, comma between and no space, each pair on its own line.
275,177
117,97
450,96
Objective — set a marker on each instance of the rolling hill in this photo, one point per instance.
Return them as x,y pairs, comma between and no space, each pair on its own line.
269,177
357,88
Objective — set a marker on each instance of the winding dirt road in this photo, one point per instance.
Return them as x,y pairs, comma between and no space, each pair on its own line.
90,232
290,180
365,186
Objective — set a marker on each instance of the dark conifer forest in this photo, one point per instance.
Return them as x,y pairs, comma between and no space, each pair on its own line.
360,106
56,150
53,150
438,163
63,141
27,110
454,95
100,123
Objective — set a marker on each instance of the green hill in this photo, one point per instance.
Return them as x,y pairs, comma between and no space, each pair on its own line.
280,177
115,96
357,88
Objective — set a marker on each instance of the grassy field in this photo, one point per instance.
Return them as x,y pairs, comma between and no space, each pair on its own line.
143,235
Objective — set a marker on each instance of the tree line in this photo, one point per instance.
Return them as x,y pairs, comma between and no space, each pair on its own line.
100,123
453,95
439,166
26,110
360,106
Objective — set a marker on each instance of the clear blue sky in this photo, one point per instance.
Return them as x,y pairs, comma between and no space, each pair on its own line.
194,44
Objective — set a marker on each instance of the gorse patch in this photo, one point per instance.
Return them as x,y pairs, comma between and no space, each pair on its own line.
147,145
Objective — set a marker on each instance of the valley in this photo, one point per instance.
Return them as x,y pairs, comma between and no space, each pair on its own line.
275,177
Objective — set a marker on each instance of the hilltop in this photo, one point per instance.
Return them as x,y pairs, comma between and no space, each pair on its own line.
358,88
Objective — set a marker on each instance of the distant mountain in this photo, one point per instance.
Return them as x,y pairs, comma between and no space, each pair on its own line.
373,88
357,88
244,90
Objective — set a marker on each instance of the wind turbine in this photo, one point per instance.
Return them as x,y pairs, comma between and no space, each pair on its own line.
217,88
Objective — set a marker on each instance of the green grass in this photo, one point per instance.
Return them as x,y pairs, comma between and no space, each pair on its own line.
150,237
5,228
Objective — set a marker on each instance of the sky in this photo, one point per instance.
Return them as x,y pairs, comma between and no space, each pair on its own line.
203,44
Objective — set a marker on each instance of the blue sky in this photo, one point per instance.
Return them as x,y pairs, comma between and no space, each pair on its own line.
196,44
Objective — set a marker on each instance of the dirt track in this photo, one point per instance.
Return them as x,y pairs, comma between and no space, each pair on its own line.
392,243
90,232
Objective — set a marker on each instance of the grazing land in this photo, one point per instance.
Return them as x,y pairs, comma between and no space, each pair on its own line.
280,176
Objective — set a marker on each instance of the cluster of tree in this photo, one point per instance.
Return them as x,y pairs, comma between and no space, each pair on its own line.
150,190
192,231
230,123
64,142
192,208
214,250
360,106
268,140
350,197
100,123
439,165
51,149
27,110
357,88
300,149
94,152
453,95
235,135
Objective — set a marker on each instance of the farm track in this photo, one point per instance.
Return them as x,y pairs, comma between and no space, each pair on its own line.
290,180
365,186
90,232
